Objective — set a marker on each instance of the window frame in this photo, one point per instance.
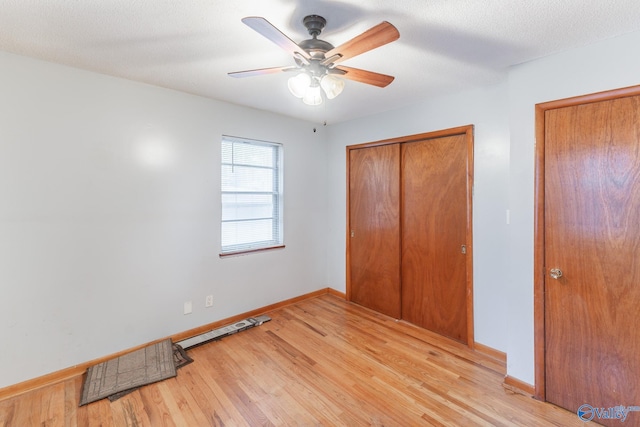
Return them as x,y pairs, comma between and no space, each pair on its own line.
277,198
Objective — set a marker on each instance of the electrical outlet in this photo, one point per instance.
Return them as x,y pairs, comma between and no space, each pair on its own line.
208,302
188,307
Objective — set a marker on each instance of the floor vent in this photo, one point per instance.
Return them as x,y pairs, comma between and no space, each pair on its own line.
225,331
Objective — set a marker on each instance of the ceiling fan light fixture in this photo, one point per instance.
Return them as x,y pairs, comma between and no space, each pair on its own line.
332,85
317,59
313,95
299,84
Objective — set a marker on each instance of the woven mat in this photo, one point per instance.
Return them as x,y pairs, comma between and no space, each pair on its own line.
180,359
141,367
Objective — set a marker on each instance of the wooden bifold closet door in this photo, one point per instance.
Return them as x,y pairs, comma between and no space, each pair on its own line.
409,231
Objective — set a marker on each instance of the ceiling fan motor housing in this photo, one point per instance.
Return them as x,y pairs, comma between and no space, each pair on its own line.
314,24
314,46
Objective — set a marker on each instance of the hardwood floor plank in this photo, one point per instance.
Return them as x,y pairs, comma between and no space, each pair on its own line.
206,403
319,362
71,397
462,407
333,382
334,375
7,412
214,386
52,406
177,405
266,387
155,407
333,398
289,372
99,414
379,351
129,411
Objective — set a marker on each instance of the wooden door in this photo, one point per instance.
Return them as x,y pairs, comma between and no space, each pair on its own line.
592,235
374,228
434,231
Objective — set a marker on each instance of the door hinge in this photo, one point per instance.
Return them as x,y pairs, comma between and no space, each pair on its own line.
463,249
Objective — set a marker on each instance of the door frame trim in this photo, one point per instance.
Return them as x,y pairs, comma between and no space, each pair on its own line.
539,269
461,130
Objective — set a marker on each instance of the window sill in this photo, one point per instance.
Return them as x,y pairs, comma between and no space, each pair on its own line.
250,251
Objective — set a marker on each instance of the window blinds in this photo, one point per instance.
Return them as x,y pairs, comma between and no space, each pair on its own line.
251,195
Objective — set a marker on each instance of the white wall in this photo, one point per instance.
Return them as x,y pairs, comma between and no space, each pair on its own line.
487,110
607,65
109,215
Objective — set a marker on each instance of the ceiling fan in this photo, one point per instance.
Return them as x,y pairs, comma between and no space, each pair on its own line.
317,60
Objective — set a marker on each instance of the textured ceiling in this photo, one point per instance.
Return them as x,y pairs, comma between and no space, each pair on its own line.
190,45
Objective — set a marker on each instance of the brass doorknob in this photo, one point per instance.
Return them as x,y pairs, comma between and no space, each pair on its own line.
555,273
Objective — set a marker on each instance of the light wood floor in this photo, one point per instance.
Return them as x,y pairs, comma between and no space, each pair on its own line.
322,361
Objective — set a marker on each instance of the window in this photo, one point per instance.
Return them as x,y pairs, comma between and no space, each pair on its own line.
251,195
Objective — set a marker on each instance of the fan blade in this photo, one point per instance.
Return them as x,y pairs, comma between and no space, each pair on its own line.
364,76
267,29
374,37
260,71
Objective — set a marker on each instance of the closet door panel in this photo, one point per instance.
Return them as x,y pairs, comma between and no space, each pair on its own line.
374,228
434,225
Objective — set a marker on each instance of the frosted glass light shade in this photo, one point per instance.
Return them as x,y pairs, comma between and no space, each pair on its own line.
332,85
312,96
299,84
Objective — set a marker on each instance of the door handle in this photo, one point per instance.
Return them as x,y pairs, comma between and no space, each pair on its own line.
555,273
